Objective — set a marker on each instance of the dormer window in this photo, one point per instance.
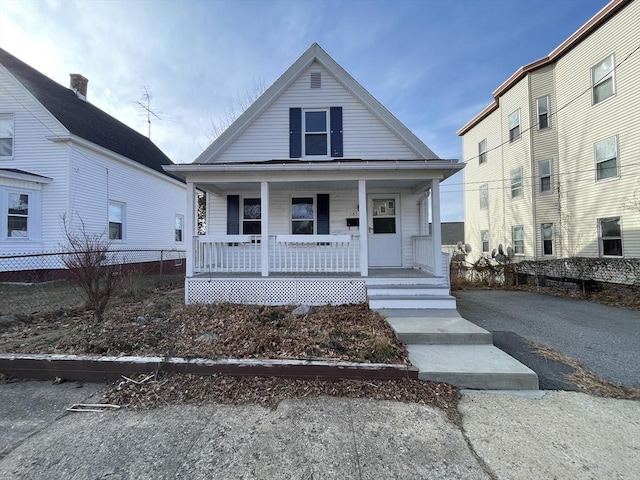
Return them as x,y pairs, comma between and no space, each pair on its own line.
316,138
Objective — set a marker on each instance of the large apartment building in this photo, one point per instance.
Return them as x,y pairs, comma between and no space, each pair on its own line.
553,163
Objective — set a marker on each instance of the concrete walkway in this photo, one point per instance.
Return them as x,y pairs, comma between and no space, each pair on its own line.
560,435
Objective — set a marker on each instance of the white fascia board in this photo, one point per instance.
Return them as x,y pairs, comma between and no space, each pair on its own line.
74,139
25,176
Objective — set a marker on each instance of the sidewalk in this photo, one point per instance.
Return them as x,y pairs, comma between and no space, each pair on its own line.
561,435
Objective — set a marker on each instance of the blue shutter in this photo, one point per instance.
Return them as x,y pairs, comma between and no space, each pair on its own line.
295,132
233,214
323,213
336,131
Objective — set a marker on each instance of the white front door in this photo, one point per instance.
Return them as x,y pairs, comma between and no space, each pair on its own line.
385,239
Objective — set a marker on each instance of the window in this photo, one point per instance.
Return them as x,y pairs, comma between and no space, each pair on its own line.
484,240
543,112
18,215
516,182
610,233
316,133
251,217
607,158
514,126
482,151
484,197
6,135
602,80
179,226
302,216
544,173
116,221
547,239
518,240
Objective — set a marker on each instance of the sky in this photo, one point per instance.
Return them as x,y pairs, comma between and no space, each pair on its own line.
433,63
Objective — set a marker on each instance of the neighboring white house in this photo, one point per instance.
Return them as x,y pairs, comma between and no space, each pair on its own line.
60,157
553,163
316,194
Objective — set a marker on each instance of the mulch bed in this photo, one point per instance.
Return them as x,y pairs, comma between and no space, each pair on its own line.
161,325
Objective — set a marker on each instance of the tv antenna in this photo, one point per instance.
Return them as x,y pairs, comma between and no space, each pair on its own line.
146,106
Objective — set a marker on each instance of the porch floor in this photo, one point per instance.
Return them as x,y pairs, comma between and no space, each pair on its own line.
373,273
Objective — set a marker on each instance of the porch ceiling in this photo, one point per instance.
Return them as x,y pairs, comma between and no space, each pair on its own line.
315,185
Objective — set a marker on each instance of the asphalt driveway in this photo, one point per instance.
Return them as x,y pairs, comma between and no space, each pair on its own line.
604,339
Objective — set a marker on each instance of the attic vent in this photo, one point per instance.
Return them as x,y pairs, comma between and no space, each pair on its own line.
316,80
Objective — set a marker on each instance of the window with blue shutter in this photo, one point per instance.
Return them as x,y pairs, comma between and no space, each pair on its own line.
336,131
295,132
233,214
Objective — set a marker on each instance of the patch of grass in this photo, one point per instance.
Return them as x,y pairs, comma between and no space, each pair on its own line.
587,381
379,349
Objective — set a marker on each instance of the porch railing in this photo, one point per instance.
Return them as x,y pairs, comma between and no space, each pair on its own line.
287,253
423,254
314,253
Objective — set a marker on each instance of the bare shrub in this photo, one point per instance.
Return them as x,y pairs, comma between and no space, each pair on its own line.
91,268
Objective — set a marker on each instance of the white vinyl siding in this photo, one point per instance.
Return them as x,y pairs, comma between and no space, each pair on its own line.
365,137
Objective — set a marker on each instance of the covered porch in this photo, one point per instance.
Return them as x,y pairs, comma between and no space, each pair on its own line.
324,227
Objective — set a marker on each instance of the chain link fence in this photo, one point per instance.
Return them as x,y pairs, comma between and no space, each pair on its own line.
39,283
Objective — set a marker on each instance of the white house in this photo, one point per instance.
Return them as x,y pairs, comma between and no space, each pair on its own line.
317,194
60,157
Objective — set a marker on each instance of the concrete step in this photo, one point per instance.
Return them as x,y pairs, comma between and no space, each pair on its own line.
438,330
440,281
482,367
394,289
412,302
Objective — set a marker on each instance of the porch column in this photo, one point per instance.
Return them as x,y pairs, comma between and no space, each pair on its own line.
423,212
190,227
264,227
437,233
362,213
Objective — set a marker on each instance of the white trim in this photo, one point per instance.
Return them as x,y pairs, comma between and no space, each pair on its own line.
191,225
26,176
437,232
326,133
364,237
264,228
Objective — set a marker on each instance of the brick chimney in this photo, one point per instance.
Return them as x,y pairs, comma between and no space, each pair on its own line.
79,85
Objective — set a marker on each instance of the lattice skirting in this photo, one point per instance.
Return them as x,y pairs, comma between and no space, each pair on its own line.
276,292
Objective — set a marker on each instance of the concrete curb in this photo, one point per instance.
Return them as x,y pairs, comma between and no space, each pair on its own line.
93,368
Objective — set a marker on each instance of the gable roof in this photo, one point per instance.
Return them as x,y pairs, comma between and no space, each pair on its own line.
314,54
560,51
84,119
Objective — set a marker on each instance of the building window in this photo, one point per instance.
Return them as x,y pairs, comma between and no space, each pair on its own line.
302,216
602,80
6,135
179,227
607,158
484,240
547,239
18,215
316,137
610,233
484,197
545,176
543,112
482,151
116,221
518,240
251,216
516,182
514,126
